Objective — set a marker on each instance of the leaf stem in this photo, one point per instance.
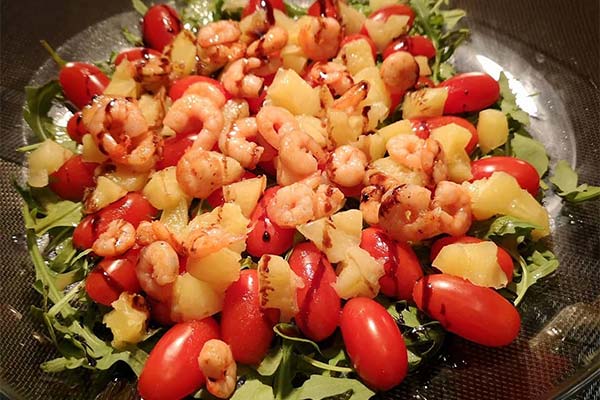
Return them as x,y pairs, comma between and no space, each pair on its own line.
57,59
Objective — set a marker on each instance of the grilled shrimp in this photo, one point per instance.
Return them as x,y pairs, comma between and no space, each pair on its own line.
333,75
218,366
352,98
418,154
218,43
346,166
157,269
269,45
236,145
239,80
209,91
272,122
148,232
116,240
370,201
453,205
201,242
299,153
320,38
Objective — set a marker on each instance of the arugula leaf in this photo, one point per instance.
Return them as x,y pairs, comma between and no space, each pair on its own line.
319,387
566,181
530,150
507,225
294,10
132,38
291,333
361,5
253,390
63,213
537,266
508,104
140,7
268,366
197,13
38,101
324,366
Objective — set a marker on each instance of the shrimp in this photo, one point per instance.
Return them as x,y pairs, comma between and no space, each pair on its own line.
370,201
346,166
270,44
299,153
143,156
148,232
209,91
405,214
399,71
421,155
191,114
219,33
201,242
218,43
320,38
235,143
327,201
453,204
351,99
238,79
272,122
218,366
116,240
200,172
157,269
333,75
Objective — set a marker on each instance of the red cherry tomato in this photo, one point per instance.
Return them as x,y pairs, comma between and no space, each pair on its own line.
113,276
266,5
180,86
133,208
401,265
137,53
172,370
469,92
504,259
423,127
384,13
75,127
215,199
80,82
318,302
525,173
359,36
267,237
246,327
476,313
374,343
160,26
173,149
324,8
415,45
72,178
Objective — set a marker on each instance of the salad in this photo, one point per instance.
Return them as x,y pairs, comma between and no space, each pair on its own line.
265,201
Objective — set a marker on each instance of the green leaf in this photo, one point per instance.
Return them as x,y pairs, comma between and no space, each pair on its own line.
452,17
361,5
253,390
319,387
38,101
294,10
566,181
197,13
268,366
63,213
291,333
139,6
132,38
324,366
530,150
507,225
508,104
536,267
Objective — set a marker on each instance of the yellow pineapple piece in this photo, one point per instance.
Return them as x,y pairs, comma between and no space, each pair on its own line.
352,19
277,285
163,190
358,274
356,56
492,129
428,102
194,299
396,174
343,129
128,319
219,269
383,32
90,151
372,145
105,192
176,218
46,159
402,127
293,93
182,54
245,193
123,81
453,138
129,180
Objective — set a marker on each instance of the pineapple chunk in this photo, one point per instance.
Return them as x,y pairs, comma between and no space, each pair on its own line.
194,299
335,234
46,159
293,58
291,25
428,102
123,81
383,32
395,173
372,145
291,92
90,151
453,138
402,127
245,193
182,54
230,218
219,269
492,129
105,192
476,262
358,274
378,93
343,129
175,219
152,109
356,56
129,180
277,285
423,63
128,319
500,194
352,19
314,127
163,191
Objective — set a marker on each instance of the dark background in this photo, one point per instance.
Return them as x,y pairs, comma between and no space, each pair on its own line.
566,31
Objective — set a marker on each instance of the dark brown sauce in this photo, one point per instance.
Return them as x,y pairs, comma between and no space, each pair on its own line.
311,294
326,238
266,5
114,285
266,237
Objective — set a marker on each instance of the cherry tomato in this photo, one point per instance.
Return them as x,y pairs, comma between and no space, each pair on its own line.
423,127
359,36
246,327
215,199
75,127
374,343
160,311
415,45
160,26
267,237
318,302
72,178
476,313
324,8
133,208
173,149
113,276
172,370
180,86
469,92
80,82
504,259
137,53
385,12
402,267
525,173
266,5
